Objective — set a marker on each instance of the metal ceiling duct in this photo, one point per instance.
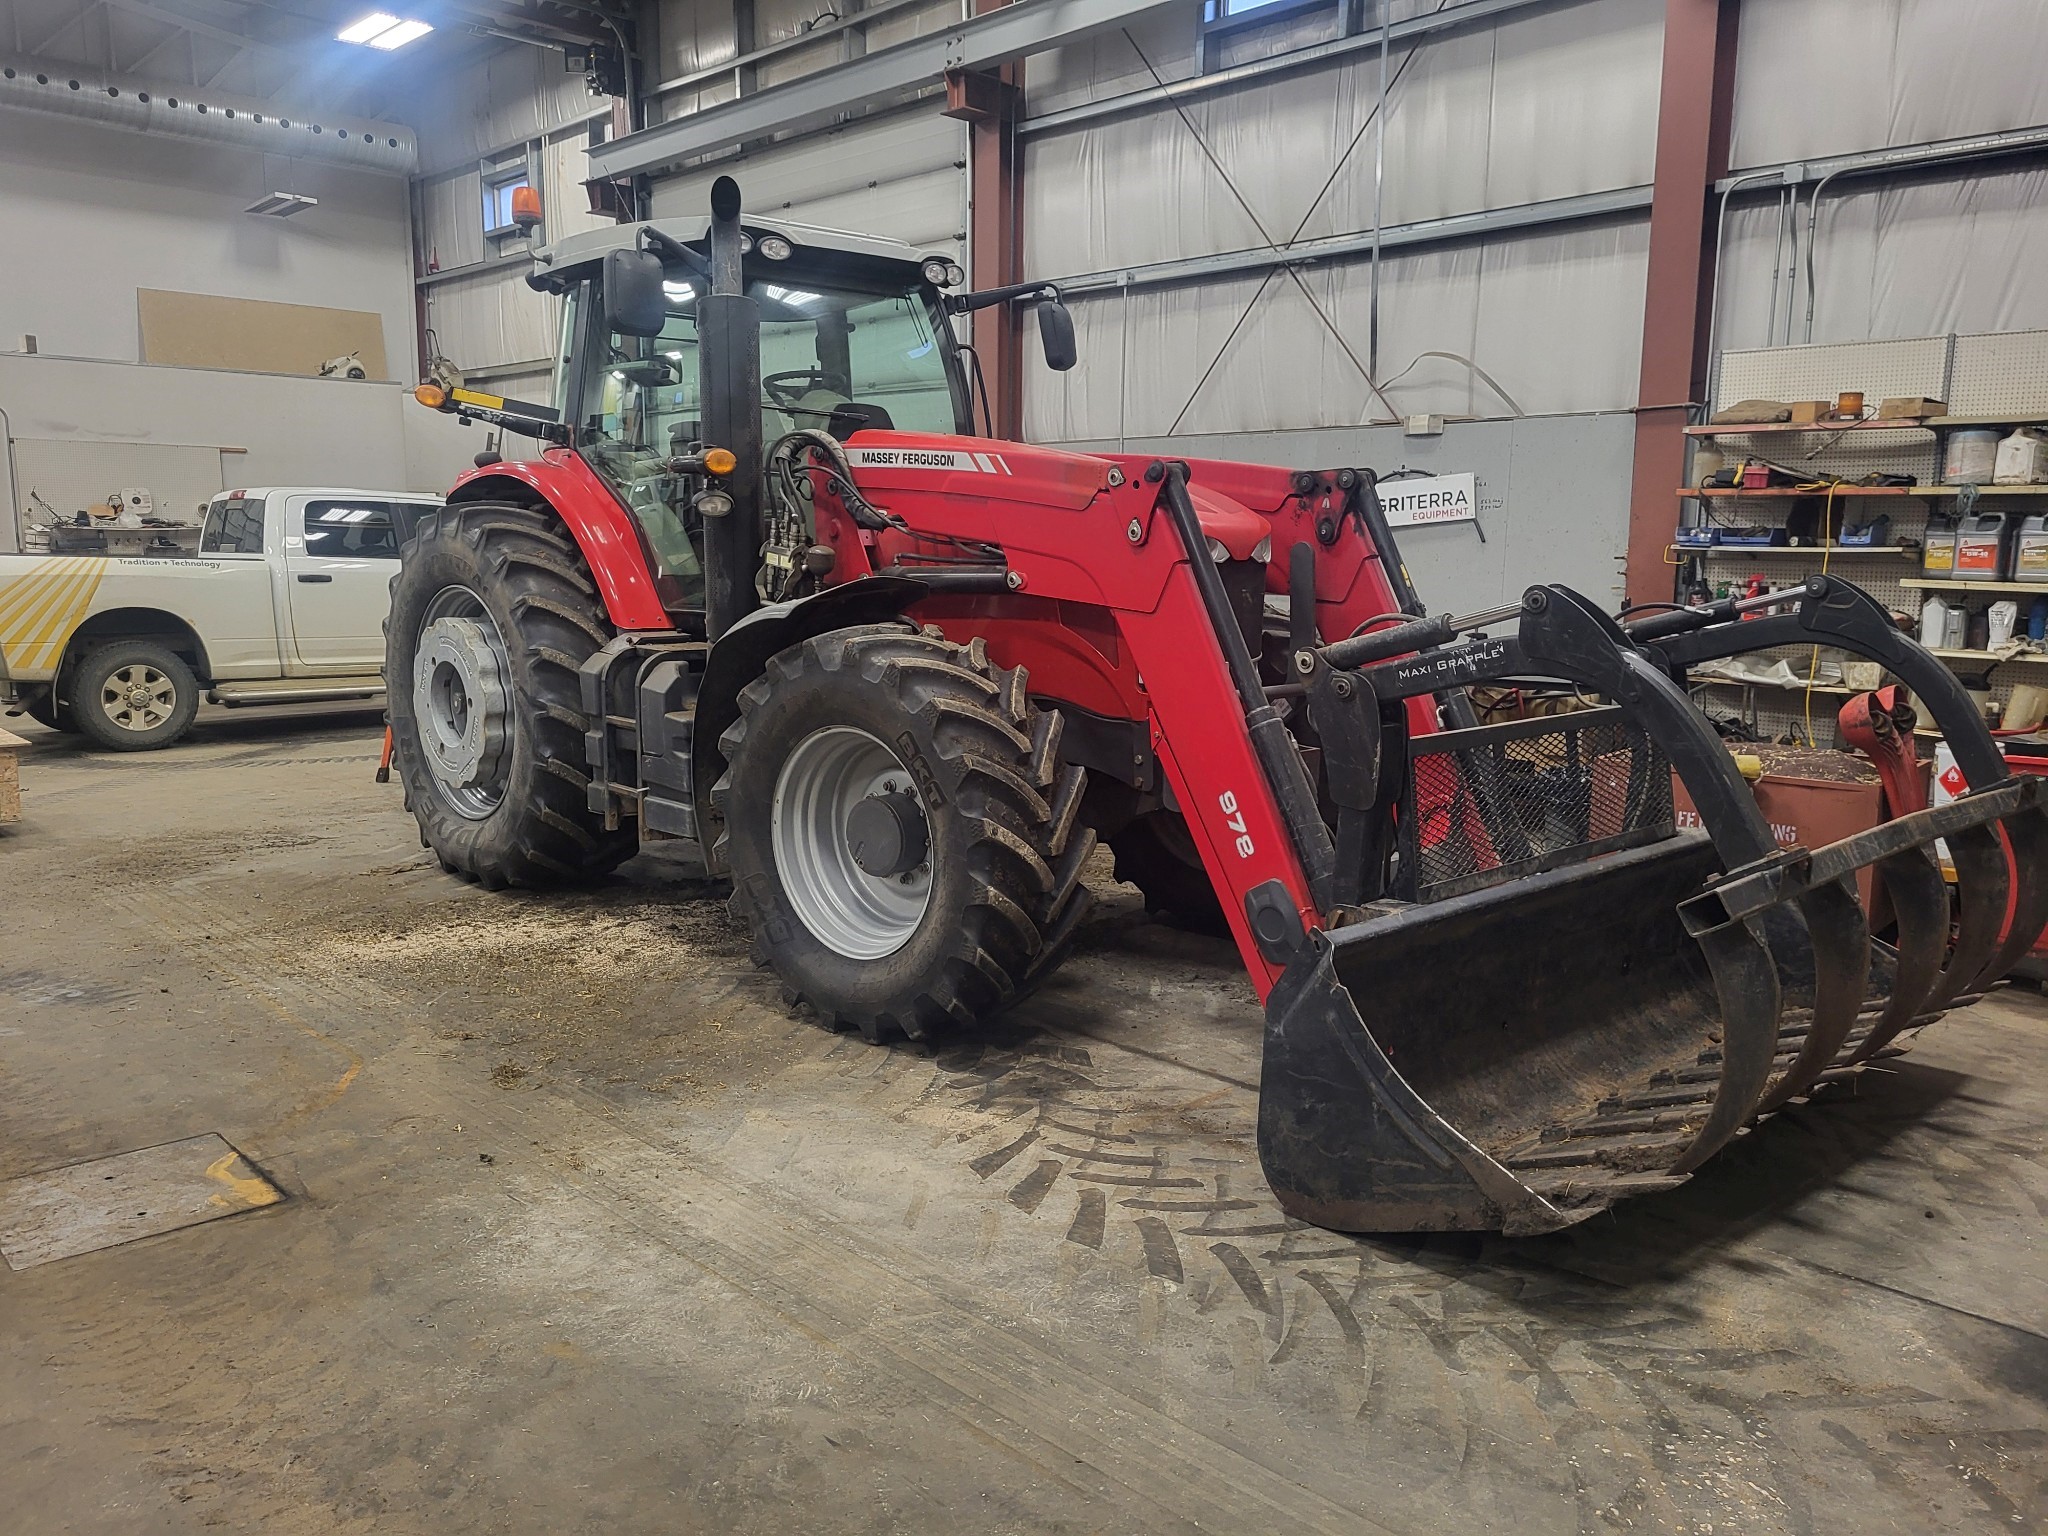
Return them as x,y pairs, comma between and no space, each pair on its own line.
70,90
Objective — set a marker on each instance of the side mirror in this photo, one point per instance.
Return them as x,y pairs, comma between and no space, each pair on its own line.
634,304
1056,335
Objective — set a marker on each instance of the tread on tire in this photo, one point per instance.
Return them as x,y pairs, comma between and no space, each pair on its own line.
532,579
1007,845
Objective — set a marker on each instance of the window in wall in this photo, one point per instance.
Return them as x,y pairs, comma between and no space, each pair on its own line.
350,530
499,185
1223,17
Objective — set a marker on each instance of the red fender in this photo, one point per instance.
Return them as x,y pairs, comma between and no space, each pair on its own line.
599,523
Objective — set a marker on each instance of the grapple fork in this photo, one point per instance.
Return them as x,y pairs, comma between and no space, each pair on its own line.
1515,1048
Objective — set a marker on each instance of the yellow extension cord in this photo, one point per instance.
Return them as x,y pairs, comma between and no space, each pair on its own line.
1827,548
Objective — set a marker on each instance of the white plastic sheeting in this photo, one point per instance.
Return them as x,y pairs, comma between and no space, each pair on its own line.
1832,77
1546,105
492,318
1555,317
1920,257
509,96
901,176
1551,104
451,232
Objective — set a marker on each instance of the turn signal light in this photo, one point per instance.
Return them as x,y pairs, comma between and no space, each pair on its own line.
720,461
432,396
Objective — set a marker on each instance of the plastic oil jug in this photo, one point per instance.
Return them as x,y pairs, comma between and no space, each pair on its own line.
1983,547
1938,548
2030,550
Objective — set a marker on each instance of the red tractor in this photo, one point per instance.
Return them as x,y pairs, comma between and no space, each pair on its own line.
765,597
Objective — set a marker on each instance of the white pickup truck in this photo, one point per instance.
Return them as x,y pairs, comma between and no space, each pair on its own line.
284,602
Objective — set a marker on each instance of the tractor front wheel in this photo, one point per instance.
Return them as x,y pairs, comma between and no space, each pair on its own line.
492,614
903,839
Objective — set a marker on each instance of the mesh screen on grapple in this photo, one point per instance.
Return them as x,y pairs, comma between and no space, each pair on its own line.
1495,808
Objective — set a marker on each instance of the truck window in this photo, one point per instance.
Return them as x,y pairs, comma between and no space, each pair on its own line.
350,530
234,526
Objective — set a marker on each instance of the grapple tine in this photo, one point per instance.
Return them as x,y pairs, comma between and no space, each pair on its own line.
1746,979
2026,833
1840,936
1982,885
1919,898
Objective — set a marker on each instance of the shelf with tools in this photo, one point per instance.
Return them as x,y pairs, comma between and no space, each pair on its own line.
1863,424
1986,658
1845,490
1796,549
1949,584
1835,690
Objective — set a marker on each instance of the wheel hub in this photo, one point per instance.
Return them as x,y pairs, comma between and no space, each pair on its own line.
852,843
461,701
139,698
887,833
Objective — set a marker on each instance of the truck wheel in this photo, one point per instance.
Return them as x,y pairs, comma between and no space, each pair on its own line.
492,613
133,695
1157,855
902,837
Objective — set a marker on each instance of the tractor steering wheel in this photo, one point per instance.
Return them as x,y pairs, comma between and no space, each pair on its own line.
782,388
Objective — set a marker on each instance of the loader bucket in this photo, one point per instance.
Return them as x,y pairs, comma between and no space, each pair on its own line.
1608,1004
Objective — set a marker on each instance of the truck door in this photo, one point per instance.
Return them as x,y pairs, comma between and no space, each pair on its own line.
340,556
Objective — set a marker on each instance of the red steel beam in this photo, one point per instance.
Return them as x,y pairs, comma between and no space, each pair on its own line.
1693,116
996,235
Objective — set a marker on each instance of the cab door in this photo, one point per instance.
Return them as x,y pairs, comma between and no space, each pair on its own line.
340,555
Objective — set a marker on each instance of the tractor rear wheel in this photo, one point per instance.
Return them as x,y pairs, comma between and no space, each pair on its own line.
904,842
492,614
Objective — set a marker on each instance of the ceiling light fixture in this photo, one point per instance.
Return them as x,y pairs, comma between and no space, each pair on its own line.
282,205
380,29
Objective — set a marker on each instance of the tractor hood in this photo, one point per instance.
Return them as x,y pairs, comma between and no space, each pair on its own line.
930,463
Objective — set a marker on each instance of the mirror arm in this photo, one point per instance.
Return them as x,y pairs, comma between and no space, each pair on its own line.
670,249
1030,293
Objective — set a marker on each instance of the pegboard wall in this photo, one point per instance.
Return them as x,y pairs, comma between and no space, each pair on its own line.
2002,374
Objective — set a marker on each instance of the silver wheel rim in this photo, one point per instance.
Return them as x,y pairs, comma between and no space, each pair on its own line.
461,699
138,697
848,910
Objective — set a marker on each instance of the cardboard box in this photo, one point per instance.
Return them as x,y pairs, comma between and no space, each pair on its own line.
2022,459
1910,408
1806,412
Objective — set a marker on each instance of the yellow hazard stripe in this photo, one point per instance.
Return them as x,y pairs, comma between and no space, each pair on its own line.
26,635
39,612
477,397
67,609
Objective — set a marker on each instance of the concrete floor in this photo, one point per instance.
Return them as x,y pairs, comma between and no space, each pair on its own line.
585,1234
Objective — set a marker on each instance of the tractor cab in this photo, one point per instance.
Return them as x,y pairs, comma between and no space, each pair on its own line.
853,334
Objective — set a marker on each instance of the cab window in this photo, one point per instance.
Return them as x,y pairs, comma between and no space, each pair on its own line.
350,530
234,526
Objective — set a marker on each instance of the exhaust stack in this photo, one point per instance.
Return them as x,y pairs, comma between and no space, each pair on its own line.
729,384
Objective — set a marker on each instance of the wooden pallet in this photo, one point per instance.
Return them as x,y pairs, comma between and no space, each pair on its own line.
10,777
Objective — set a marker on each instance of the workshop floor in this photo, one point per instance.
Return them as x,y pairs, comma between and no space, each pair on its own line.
583,1233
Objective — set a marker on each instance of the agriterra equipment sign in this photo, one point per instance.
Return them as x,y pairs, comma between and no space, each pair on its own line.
1441,499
